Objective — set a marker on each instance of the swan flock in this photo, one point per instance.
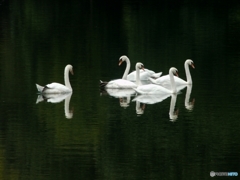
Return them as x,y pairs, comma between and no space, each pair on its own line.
167,84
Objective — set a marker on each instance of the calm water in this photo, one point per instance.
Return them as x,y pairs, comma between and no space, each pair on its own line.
95,135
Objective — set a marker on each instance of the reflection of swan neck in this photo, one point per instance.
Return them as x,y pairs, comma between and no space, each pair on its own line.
173,85
139,110
188,93
66,77
189,105
189,78
127,69
172,106
68,113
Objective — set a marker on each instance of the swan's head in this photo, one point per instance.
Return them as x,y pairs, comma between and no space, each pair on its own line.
174,71
190,63
139,66
69,68
122,58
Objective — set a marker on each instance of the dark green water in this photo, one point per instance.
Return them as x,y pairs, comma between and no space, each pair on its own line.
100,139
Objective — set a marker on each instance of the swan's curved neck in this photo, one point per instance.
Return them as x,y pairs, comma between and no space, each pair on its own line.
189,78
127,69
174,89
66,78
138,82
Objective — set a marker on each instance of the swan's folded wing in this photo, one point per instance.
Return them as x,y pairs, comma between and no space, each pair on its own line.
56,88
156,75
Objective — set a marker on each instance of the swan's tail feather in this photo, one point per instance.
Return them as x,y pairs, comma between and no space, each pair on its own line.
102,84
156,75
39,88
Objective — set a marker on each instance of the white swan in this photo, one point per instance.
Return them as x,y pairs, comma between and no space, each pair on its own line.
56,88
122,83
156,89
165,80
144,74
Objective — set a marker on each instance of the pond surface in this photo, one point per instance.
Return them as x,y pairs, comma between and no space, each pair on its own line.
91,134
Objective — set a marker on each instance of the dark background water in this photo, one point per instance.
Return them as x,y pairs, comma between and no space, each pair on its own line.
103,140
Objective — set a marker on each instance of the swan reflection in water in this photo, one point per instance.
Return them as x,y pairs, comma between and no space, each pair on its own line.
140,109
124,95
57,98
173,115
189,105
151,98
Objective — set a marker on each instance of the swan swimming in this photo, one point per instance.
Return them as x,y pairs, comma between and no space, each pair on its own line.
57,88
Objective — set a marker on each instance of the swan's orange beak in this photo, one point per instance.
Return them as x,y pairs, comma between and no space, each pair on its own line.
176,74
120,62
142,68
71,71
192,66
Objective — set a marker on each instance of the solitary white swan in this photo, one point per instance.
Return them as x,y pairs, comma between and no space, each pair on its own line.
144,74
56,88
156,89
122,83
165,80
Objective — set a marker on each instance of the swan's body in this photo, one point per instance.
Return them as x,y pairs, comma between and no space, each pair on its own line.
144,74
165,80
156,89
57,88
119,93
122,83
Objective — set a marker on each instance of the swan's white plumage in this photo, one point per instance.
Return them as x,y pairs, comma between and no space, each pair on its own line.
165,80
156,89
144,74
57,88
122,83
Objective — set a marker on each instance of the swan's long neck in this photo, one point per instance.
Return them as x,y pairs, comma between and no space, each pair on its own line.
138,82
127,69
174,89
66,78
189,78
